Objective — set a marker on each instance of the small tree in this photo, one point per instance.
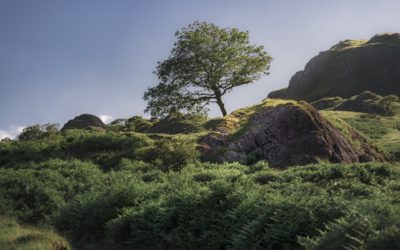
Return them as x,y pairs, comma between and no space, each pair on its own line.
205,63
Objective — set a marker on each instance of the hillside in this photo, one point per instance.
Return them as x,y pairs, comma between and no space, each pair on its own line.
374,116
148,184
347,69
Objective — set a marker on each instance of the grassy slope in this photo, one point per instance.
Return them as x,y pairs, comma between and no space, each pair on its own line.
16,236
383,131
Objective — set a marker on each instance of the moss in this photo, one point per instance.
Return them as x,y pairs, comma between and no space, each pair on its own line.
348,44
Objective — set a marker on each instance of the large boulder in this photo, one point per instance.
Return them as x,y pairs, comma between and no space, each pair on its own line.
347,69
289,134
84,121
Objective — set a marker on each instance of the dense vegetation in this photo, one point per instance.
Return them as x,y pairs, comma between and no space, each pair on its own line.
139,184
205,206
116,188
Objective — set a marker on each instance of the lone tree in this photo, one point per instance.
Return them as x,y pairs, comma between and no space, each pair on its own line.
206,62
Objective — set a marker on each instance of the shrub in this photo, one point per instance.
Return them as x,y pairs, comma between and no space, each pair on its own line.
172,154
35,192
85,218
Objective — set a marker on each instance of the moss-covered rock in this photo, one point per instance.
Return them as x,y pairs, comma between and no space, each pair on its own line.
347,69
286,133
84,121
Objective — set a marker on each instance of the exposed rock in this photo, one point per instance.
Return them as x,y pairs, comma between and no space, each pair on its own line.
348,68
84,121
290,134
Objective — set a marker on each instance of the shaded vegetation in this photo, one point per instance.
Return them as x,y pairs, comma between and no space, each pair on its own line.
226,206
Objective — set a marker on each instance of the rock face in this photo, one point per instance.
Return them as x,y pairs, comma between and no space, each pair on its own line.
347,69
84,121
287,135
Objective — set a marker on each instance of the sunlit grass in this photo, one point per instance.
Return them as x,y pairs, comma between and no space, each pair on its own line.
348,44
15,236
383,131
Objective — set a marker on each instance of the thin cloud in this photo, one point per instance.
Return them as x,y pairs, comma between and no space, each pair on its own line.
106,118
12,132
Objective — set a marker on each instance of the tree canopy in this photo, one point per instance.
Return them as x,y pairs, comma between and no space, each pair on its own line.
206,62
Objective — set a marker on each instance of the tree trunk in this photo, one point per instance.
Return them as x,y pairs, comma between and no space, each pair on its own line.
220,103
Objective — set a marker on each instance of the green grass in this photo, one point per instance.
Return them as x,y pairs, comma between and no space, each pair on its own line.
383,131
15,236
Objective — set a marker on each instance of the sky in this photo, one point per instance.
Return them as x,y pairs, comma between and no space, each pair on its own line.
63,58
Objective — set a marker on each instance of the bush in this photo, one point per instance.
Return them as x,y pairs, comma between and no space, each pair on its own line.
139,124
85,218
172,154
35,192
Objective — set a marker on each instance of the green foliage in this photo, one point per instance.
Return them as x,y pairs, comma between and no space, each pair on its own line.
382,131
85,218
105,149
122,190
139,124
135,123
206,62
171,154
178,123
34,192
227,206
37,131
102,148
368,102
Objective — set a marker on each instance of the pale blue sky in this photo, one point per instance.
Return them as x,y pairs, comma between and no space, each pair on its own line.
61,58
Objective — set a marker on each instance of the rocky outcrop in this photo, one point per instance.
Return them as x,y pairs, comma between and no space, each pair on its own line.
347,69
84,121
290,134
